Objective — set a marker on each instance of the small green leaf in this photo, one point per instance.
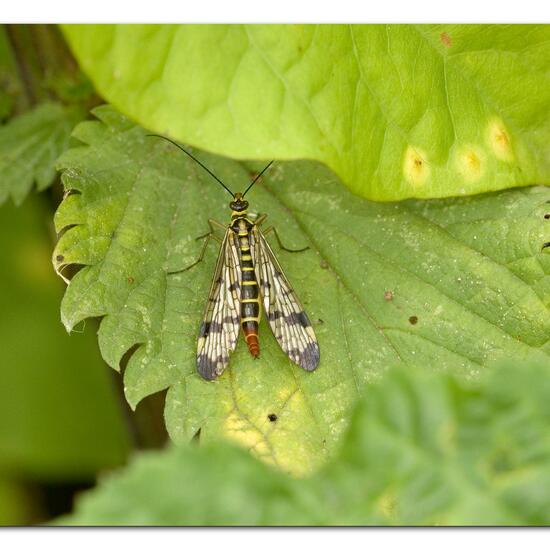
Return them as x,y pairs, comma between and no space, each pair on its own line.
397,111
422,449
29,147
454,284
59,414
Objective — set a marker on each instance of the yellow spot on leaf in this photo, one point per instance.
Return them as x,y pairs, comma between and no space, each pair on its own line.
415,168
242,432
273,442
470,162
387,504
499,140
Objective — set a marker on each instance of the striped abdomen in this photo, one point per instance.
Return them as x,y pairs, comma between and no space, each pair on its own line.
250,303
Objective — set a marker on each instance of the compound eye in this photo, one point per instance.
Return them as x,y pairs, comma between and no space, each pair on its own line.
238,206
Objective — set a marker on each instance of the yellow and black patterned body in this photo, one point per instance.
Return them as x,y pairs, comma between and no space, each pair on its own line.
248,274
248,278
250,295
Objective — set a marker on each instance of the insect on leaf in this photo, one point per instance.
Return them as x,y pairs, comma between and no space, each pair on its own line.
452,284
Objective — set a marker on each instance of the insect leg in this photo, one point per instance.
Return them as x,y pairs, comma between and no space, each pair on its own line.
272,228
203,236
215,223
260,219
210,235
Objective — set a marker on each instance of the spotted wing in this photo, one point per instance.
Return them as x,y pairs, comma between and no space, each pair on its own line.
221,323
285,313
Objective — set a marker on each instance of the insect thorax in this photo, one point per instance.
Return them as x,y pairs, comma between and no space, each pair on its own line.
240,224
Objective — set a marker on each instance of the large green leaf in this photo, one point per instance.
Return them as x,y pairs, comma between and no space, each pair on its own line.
455,284
59,414
396,111
422,450
29,147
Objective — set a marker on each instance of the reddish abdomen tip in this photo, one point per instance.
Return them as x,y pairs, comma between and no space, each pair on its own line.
253,343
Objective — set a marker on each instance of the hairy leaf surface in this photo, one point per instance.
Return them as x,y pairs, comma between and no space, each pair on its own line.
454,284
397,111
29,146
422,449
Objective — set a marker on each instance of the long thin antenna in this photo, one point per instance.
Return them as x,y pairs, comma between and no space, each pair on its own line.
257,178
198,162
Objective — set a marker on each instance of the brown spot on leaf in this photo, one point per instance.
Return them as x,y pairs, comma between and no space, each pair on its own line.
59,258
445,39
413,319
388,295
272,417
131,280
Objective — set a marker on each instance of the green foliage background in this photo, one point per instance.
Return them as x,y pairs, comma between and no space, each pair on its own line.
422,449
60,419
437,292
